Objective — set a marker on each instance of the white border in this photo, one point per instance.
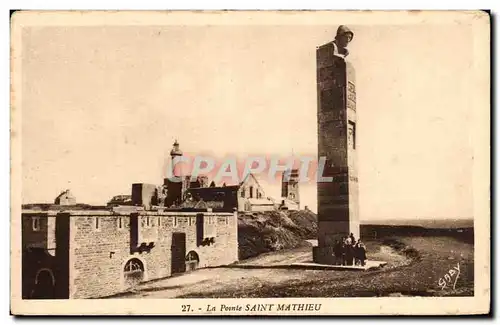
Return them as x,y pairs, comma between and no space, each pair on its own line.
91,4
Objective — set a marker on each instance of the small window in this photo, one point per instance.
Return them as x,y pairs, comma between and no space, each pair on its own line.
148,224
159,222
243,192
97,223
227,220
120,222
175,222
35,223
352,135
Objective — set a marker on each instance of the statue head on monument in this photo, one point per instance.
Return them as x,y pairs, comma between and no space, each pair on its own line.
342,39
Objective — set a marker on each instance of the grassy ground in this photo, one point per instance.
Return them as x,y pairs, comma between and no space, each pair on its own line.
436,256
415,266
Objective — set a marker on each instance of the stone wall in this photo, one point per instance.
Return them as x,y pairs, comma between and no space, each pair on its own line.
43,236
100,245
97,254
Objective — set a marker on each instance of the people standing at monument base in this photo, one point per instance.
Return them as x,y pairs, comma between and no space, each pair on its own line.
344,250
349,252
361,252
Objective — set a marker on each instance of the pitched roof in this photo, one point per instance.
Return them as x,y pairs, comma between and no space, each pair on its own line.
65,193
287,201
247,177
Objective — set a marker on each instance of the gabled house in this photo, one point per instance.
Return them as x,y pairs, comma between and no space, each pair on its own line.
65,198
248,195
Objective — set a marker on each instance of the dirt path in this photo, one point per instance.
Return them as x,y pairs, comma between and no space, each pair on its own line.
216,279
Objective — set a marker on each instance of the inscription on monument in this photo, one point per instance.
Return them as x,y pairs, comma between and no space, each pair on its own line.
351,96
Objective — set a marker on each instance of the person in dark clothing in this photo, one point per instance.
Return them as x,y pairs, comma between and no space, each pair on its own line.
343,251
353,240
337,251
362,253
349,255
356,254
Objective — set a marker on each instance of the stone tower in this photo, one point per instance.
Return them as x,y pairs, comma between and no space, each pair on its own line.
176,152
174,188
290,185
338,196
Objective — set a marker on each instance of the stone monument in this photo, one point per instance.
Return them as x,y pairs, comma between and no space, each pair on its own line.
337,197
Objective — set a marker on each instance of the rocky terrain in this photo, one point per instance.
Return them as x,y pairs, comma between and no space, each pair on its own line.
262,232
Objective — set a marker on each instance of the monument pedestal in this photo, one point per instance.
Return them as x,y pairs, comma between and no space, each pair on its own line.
323,255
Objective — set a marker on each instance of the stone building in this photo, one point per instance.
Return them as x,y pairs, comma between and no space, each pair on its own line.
174,190
290,195
144,195
92,253
65,198
248,195
286,204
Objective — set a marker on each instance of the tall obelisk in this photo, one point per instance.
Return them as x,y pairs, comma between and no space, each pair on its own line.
338,192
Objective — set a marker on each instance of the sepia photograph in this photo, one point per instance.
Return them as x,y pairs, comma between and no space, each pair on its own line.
250,163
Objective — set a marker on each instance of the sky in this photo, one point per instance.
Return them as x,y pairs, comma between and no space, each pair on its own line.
101,107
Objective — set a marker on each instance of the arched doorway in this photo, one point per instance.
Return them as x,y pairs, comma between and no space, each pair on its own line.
133,272
44,285
192,261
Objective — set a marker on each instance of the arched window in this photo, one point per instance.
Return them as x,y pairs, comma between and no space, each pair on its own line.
192,256
133,265
44,285
133,271
192,261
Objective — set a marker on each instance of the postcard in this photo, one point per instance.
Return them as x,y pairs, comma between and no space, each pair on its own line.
248,163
